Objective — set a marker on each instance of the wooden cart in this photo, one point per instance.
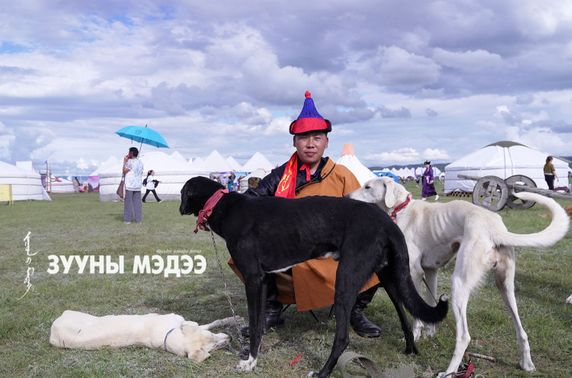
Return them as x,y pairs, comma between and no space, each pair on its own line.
494,193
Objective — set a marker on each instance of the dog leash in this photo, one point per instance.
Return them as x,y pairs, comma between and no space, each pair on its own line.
227,295
365,363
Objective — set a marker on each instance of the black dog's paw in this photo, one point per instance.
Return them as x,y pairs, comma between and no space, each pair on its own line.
245,352
411,349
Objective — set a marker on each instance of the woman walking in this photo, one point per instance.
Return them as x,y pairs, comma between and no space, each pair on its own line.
428,182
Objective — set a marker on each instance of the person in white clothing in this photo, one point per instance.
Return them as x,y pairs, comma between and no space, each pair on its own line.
133,171
150,184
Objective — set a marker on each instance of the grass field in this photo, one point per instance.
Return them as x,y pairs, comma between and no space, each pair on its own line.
78,224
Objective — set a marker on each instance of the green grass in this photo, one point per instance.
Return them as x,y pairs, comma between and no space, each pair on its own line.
79,224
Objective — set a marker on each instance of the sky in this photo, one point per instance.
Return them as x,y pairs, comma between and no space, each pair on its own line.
403,81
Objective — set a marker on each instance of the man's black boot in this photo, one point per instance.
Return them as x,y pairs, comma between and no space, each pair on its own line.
272,317
362,325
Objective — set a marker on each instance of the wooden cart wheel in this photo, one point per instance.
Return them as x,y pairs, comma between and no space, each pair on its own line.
520,180
490,192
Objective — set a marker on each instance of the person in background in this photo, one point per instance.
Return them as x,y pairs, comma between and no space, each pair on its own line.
309,173
150,186
231,185
133,171
550,173
428,182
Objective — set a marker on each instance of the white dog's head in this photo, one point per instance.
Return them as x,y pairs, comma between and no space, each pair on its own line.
382,191
196,343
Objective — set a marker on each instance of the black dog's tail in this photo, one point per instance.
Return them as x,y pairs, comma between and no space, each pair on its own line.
398,269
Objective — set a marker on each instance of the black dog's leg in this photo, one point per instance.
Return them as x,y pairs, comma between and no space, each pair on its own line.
256,298
391,290
347,288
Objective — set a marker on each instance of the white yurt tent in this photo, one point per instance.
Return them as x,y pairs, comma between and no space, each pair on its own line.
61,185
25,184
257,161
502,159
197,166
408,173
216,163
171,171
177,156
234,164
350,161
107,165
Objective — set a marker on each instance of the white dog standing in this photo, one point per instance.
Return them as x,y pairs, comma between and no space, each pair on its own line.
170,332
436,232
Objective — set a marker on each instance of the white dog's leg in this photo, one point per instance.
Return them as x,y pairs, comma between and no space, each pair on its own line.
504,277
569,300
463,338
468,272
247,365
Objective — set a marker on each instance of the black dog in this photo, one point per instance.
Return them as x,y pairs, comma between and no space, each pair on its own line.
268,234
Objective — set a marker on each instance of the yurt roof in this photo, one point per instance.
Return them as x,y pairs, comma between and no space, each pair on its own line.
9,170
503,154
107,165
234,164
177,156
258,160
350,161
216,163
162,162
196,165
506,143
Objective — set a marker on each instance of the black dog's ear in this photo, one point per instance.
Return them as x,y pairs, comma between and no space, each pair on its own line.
187,188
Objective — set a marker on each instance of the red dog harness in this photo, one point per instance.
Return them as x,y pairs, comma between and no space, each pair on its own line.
207,210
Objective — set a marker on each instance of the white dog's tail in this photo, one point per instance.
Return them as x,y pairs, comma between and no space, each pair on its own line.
555,231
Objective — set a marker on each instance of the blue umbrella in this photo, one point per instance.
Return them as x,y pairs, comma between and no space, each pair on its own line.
143,134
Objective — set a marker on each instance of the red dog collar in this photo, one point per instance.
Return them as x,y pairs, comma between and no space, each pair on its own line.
207,210
400,207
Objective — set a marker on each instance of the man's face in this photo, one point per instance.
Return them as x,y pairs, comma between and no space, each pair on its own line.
311,146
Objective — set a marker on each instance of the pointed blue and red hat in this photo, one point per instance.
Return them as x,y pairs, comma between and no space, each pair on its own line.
309,119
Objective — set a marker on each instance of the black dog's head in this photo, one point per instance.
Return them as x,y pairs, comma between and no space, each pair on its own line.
195,193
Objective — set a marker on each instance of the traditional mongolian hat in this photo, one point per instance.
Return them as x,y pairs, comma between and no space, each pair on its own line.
309,119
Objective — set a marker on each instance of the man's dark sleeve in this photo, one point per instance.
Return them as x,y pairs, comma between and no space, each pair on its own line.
267,186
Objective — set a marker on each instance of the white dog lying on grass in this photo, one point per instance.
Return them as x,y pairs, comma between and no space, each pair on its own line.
170,332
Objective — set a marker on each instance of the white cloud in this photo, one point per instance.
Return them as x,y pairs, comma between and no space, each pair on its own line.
541,20
6,141
468,61
399,69
401,156
82,164
402,112
431,113
540,138
435,154
280,125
